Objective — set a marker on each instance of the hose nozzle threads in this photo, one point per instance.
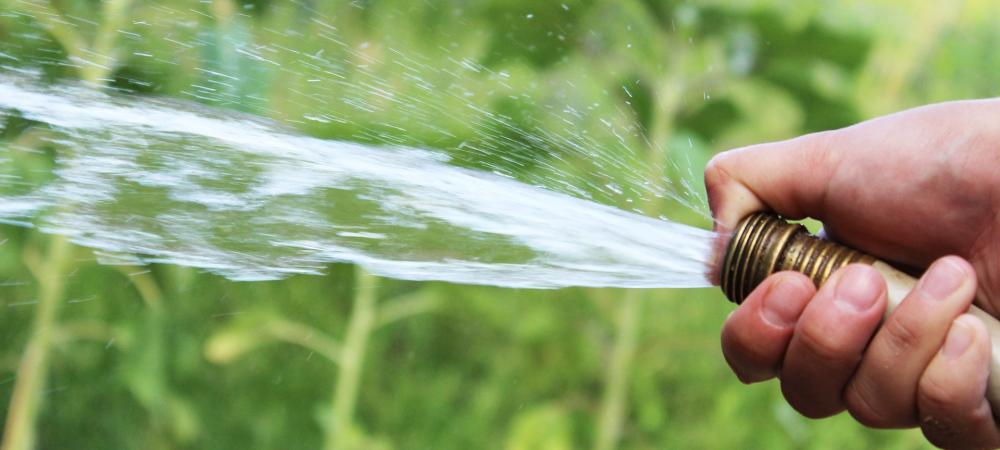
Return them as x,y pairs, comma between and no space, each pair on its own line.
764,244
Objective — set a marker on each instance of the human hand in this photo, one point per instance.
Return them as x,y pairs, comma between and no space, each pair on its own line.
909,188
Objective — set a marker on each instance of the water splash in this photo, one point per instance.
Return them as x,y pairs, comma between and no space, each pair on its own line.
397,82
170,182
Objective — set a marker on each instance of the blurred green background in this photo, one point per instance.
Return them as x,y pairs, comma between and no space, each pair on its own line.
159,357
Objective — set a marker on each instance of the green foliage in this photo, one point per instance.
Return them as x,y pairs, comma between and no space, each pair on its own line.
173,358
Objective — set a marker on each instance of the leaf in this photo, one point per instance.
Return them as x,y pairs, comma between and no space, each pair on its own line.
545,427
231,344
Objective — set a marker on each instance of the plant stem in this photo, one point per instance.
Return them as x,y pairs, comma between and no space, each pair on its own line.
615,399
19,431
306,337
613,403
345,394
114,15
22,412
146,285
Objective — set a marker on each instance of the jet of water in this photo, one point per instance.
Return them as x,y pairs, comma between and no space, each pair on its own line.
170,182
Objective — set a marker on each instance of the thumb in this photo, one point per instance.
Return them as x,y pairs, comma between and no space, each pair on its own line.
788,177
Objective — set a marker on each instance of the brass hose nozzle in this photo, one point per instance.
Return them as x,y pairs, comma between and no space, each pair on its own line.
764,244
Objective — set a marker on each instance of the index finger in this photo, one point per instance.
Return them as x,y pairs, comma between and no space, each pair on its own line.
788,177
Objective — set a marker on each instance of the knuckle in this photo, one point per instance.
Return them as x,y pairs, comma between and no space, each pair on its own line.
900,333
825,347
859,404
715,164
800,400
934,397
981,414
750,363
715,170
821,153
738,355
748,374
733,341
716,180
757,356
820,145
735,363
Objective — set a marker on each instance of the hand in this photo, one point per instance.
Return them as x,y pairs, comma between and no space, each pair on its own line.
909,188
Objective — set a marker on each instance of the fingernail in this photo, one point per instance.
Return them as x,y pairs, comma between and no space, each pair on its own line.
781,307
942,279
858,288
959,338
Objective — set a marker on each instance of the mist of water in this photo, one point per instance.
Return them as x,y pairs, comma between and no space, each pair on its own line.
171,182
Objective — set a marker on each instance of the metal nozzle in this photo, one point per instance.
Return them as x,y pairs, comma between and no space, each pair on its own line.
764,244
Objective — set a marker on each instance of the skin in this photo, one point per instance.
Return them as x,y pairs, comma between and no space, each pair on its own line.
921,189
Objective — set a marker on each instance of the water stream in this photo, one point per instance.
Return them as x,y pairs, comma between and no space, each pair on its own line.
145,180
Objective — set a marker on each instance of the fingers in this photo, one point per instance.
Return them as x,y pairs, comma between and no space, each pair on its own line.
756,335
830,338
954,412
927,365
789,177
881,392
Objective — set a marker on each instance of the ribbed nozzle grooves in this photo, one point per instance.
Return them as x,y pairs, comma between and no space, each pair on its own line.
764,244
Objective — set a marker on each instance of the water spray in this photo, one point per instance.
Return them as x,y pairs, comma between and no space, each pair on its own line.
764,244
260,180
